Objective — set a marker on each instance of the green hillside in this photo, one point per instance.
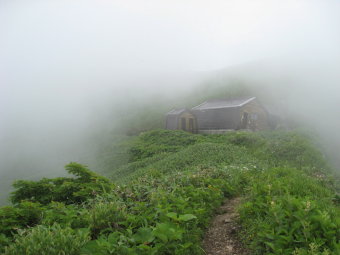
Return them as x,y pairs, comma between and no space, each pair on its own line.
162,196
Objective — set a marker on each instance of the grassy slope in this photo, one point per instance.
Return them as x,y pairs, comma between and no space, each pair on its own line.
165,196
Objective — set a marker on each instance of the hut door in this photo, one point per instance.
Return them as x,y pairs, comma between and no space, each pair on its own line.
183,124
244,120
191,125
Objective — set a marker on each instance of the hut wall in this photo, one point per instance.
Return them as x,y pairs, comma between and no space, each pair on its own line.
171,122
258,116
214,119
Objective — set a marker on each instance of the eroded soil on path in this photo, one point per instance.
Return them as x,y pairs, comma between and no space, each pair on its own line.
221,237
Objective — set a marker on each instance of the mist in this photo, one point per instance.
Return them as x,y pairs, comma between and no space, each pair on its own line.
72,71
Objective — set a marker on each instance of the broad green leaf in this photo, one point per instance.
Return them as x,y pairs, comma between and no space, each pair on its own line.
167,231
144,235
186,217
172,215
92,247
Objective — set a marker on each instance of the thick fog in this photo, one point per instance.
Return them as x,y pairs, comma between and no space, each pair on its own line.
70,71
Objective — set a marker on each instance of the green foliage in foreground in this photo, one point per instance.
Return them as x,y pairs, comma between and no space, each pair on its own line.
54,240
170,190
288,212
37,201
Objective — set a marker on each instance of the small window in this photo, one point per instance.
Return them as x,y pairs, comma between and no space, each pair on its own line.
253,116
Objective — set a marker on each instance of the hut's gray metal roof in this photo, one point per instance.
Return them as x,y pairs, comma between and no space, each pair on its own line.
223,103
177,111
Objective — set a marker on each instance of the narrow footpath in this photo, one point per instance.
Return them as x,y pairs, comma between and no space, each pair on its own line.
221,237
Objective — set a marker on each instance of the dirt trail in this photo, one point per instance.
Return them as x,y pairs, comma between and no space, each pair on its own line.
221,237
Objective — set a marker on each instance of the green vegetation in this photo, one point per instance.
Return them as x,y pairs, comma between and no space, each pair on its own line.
67,190
288,211
161,201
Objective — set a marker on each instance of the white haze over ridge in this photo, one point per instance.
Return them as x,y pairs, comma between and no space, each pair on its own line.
65,64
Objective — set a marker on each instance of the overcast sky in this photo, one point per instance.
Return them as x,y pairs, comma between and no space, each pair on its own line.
101,37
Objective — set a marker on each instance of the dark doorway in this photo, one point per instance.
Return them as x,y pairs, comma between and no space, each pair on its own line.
183,124
244,123
191,125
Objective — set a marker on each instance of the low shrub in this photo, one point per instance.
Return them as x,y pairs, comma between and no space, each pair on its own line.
157,141
51,240
73,216
12,218
106,216
87,184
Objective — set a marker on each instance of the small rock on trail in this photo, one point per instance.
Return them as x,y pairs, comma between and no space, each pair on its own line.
221,237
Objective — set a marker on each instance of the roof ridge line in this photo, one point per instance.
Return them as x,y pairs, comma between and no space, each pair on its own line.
224,100
247,101
199,105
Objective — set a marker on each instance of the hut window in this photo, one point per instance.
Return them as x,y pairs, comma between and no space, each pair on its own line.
253,116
